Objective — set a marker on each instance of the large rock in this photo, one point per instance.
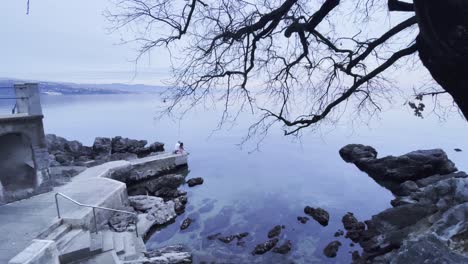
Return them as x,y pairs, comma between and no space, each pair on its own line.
357,152
162,213
123,145
102,146
170,181
119,222
428,250
156,147
144,203
331,249
55,144
176,254
411,166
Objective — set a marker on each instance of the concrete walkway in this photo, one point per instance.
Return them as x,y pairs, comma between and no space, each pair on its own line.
25,220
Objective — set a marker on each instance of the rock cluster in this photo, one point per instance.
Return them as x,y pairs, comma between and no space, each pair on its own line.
392,171
263,248
67,153
429,219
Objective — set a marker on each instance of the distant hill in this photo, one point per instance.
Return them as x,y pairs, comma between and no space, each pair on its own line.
57,88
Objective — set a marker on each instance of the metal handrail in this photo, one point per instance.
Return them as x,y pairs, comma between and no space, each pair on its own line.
94,210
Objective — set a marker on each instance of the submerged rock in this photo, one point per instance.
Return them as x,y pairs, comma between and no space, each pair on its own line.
339,233
458,150
263,248
194,182
319,214
230,238
214,236
302,219
227,239
275,231
331,249
185,224
284,248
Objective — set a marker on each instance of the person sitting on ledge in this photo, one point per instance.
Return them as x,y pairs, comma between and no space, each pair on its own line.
179,148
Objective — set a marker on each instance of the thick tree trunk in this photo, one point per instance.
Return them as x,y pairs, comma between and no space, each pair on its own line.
443,45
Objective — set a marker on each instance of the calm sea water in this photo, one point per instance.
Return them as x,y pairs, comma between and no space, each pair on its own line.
253,191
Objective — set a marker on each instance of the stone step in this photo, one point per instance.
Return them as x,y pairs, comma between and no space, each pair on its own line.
76,249
58,232
108,257
96,241
130,247
107,240
64,241
119,243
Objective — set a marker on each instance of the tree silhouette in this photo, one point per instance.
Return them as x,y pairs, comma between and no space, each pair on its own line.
310,60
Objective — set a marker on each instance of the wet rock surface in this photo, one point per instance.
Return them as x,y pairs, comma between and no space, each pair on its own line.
176,254
284,248
275,231
194,182
353,227
331,249
64,152
429,219
303,219
228,239
391,171
185,224
263,248
318,214
119,222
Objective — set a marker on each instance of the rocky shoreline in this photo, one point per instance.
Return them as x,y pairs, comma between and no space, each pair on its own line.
429,219
157,201
65,152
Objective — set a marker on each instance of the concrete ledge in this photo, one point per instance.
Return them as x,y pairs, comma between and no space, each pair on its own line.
96,186
38,252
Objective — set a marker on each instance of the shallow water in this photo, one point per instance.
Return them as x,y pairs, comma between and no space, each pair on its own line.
252,192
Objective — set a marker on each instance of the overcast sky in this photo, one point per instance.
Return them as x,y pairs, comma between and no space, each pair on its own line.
68,41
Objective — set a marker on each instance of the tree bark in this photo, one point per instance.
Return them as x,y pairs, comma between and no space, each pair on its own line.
443,45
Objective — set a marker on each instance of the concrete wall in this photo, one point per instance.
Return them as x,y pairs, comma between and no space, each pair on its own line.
24,146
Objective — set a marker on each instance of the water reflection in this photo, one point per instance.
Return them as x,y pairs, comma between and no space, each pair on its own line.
253,192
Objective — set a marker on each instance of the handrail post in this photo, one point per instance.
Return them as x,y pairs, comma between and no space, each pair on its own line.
136,226
95,220
57,205
94,211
